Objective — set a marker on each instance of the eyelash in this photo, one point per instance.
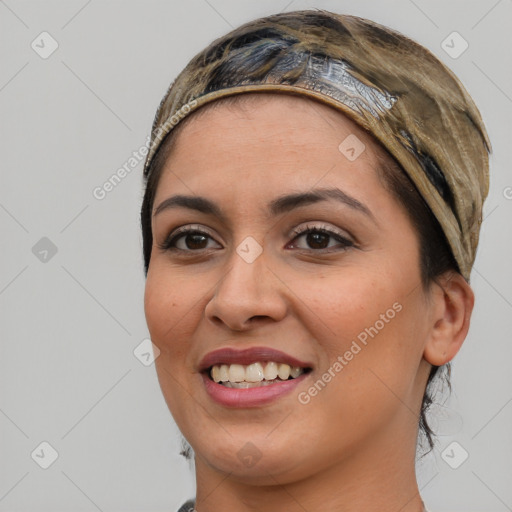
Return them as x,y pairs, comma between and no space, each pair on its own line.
168,243
345,242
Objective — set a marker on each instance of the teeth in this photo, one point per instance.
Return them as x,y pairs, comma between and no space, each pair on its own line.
245,385
236,373
284,371
253,374
223,373
295,371
271,371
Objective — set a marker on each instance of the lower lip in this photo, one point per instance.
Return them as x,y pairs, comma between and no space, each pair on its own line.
250,397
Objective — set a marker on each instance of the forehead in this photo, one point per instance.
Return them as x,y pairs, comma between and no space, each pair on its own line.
258,116
270,144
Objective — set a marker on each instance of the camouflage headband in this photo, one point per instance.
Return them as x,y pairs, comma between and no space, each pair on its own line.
388,84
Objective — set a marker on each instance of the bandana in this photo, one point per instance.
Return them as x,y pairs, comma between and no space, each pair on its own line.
388,84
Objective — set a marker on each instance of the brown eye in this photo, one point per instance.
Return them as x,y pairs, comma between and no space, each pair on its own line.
187,240
317,238
193,240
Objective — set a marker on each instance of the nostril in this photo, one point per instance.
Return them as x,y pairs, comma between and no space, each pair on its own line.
256,317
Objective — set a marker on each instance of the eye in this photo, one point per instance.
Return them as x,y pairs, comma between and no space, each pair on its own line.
317,237
190,239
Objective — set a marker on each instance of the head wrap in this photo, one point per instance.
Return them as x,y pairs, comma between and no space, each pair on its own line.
388,84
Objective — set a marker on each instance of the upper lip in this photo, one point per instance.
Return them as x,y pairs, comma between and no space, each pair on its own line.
248,356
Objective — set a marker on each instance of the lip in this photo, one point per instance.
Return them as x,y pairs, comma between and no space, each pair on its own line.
248,356
250,397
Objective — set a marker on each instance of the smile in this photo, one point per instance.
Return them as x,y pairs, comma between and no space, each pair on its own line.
253,375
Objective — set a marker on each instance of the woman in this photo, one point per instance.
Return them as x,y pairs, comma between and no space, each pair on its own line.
314,196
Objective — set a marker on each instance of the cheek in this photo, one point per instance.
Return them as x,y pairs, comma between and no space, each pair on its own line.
166,305
345,303
158,299
374,324
169,317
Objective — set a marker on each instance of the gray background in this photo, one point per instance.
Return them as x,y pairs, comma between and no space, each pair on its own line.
71,320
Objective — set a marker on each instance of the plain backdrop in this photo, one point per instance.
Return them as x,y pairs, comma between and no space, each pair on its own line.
71,283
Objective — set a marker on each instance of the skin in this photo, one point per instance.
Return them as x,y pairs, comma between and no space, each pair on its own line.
352,447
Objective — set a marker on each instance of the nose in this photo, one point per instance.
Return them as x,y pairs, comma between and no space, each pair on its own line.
248,294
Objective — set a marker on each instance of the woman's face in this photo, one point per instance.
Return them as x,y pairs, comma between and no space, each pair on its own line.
346,303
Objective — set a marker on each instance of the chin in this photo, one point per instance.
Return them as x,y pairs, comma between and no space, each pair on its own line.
255,459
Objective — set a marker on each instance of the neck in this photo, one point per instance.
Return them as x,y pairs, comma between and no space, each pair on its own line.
380,477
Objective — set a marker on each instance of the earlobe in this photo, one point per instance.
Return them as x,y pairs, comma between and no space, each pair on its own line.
452,304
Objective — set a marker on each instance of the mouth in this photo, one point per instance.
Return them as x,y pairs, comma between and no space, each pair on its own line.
257,374
251,367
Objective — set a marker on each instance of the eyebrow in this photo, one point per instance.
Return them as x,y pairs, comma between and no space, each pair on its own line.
276,207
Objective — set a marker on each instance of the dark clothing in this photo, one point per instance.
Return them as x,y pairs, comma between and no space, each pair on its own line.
188,506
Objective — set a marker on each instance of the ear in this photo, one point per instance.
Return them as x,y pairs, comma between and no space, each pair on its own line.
451,300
